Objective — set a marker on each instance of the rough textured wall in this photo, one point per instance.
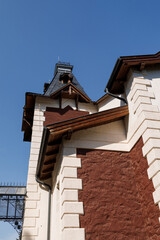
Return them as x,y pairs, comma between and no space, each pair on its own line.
54,115
117,196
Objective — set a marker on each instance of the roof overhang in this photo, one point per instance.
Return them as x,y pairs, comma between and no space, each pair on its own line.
54,133
73,93
28,112
124,64
104,97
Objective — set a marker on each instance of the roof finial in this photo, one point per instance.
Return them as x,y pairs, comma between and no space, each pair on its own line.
58,59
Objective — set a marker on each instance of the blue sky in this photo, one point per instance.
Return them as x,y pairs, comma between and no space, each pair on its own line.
91,35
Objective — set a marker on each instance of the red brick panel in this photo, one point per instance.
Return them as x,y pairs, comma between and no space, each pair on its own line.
54,115
117,196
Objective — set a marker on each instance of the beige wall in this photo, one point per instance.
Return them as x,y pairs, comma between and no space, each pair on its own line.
47,102
35,213
110,102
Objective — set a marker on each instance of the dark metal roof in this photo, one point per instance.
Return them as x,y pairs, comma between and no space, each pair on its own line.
62,65
56,84
55,87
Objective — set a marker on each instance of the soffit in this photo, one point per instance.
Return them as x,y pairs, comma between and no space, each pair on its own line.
124,64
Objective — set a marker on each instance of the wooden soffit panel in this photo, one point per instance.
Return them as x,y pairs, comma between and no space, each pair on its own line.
122,66
70,91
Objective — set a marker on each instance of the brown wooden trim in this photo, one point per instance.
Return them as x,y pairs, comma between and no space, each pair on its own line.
48,162
102,98
46,176
47,169
89,120
60,100
86,98
76,101
142,57
122,66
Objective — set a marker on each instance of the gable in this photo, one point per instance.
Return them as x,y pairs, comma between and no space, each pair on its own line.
55,115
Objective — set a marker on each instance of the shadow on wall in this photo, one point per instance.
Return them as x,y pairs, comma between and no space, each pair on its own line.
27,236
110,133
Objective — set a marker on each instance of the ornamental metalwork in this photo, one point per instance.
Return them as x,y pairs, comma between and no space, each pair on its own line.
12,199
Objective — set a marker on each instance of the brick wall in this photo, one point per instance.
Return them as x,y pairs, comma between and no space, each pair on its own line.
117,195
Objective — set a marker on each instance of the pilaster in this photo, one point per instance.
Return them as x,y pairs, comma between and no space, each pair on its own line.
71,208
140,104
32,210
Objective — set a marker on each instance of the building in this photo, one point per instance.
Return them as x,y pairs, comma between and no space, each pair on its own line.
94,167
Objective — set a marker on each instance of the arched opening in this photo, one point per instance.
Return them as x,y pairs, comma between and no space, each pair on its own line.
8,232
11,209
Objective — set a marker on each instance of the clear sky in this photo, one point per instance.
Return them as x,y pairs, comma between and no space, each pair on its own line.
90,34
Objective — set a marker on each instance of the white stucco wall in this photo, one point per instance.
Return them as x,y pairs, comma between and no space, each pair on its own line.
108,136
110,102
55,210
47,102
35,214
154,76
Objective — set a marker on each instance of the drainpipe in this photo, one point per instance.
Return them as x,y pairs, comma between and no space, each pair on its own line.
115,96
49,205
